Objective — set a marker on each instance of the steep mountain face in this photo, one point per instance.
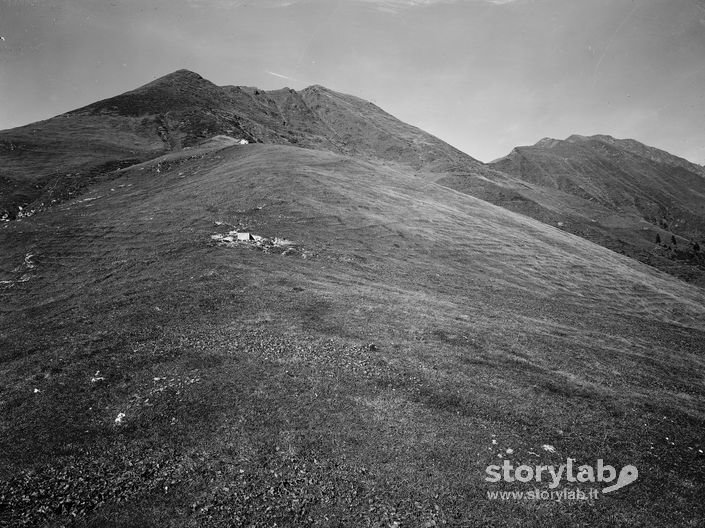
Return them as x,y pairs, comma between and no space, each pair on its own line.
645,151
49,161
621,194
622,175
46,162
360,127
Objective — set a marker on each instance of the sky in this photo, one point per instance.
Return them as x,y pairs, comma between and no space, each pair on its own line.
483,75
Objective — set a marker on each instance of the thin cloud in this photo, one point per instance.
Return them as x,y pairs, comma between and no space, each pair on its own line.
280,75
285,77
610,41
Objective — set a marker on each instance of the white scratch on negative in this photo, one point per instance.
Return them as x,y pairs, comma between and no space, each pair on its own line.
611,40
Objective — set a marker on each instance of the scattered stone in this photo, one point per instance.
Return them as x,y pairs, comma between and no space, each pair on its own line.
235,237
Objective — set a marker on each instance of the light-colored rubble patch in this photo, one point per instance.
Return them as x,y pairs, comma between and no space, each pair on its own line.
23,272
236,238
24,213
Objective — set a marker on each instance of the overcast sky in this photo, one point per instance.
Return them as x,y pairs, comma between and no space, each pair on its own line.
483,75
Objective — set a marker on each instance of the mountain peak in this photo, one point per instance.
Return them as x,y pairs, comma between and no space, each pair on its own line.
181,74
176,77
547,142
316,89
178,90
575,138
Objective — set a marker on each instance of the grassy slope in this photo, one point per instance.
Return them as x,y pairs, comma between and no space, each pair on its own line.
59,157
49,161
617,193
251,395
365,129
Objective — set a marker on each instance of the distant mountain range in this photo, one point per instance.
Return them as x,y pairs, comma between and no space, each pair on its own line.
618,193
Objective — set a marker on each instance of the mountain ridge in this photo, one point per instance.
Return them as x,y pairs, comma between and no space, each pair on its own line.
624,209
634,146
43,162
651,201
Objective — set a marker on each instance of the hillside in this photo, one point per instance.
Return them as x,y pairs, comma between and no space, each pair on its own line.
621,194
622,175
361,364
49,161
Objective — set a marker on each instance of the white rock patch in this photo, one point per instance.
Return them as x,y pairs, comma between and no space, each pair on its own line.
235,238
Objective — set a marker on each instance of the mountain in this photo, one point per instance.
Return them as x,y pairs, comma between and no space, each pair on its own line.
622,175
374,342
618,193
51,160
